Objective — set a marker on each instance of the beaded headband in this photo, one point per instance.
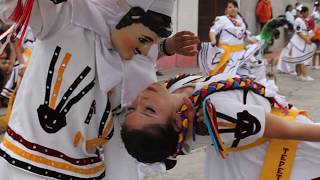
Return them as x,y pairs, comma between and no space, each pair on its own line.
200,95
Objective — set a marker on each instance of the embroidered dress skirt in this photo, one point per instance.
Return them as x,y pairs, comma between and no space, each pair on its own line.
9,172
213,60
298,52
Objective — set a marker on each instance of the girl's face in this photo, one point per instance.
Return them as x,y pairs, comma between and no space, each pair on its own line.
232,10
290,8
153,106
305,14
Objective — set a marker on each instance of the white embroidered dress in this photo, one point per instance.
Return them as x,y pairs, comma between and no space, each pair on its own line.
246,165
231,35
62,108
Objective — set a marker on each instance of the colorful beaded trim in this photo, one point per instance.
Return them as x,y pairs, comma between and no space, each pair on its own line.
199,96
175,79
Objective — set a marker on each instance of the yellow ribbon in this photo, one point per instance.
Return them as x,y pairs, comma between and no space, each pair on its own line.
228,50
281,154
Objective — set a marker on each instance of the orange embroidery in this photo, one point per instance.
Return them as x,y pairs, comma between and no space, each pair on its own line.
77,138
58,82
94,143
51,163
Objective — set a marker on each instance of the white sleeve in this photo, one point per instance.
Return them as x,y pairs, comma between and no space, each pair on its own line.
217,26
46,18
298,25
239,124
290,17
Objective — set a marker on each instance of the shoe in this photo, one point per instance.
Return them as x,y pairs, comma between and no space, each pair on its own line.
158,73
307,78
299,78
293,73
316,67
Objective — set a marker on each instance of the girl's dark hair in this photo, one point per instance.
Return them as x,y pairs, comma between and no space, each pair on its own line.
159,23
288,7
243,19
304,9
234,3
153,143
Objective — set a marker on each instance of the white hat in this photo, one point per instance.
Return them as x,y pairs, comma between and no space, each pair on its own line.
160,6
299,8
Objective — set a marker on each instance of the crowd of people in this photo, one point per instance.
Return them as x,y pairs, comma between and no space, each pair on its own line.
13,62
89,105
303,41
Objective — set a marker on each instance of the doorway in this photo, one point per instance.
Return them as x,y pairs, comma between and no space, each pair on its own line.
208,10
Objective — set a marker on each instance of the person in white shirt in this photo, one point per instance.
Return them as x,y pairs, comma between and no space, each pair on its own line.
290,18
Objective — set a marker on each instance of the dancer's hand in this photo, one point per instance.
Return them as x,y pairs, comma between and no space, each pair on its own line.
183,43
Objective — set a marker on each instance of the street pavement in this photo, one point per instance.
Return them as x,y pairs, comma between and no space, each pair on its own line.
304,95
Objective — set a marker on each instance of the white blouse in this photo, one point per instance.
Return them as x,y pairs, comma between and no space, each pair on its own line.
229,33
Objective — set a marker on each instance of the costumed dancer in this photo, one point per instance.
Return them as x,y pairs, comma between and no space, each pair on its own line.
62,114
242,121
227,52
300,49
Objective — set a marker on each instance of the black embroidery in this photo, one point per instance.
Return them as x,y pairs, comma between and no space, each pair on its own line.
245,96
91,112
104,118
58,1
246,125
214,57
226,117
53,120
235,36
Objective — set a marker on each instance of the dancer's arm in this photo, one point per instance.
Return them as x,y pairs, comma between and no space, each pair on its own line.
250,40
216,29
213,38
306,38
279,128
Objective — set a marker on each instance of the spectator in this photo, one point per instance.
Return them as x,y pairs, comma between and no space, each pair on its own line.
315,21
264,12
290,14
297,8
290,18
